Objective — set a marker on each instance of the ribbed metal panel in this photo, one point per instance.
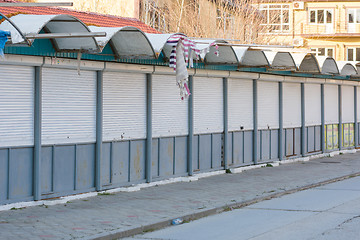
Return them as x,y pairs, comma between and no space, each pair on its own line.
268,105
240,104
124,106
312,104
331,104
16,106
69,106
208,105
170,113
292,105
347,104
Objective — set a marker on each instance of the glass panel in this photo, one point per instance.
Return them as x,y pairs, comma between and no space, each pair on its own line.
285,6
350,54
328,16
351,14
357,54
264,13
285,16
312,16
320,16
330,52
357,15
275,16
321,52
286,27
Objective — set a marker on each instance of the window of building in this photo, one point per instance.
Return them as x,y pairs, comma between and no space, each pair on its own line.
321,16
353,15
276,17
353,54
225,21
329,52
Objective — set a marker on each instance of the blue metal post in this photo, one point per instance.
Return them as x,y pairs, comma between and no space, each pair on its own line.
356,127
37,133
340,134
99,129
303,127
255,121
281,122
322,93
226,125
148,172
191,127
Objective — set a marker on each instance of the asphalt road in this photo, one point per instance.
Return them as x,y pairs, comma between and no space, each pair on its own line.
327,212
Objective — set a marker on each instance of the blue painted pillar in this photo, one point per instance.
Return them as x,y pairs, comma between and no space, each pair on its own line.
356,127
303,127
340,134
191,127
281,122
322,94
99,129
148,172
255,121
226,123
37,133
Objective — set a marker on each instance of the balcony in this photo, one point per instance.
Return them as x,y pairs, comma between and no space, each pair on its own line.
341,29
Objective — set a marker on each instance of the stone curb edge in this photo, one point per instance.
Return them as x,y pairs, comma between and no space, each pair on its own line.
194,216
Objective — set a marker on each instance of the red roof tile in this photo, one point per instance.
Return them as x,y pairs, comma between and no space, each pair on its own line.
88,18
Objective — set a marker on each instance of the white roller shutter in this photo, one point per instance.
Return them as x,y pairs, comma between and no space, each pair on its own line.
268,105
208,105
347,96
124,106
170,113
240,104
69,106
331,104
312,104
16,106
292,105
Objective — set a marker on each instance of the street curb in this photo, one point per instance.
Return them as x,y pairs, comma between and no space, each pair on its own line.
116,234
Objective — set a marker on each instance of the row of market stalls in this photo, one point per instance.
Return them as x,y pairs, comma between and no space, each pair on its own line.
132,43
90,108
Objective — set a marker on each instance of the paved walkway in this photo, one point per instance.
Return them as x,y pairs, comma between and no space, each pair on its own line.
128,213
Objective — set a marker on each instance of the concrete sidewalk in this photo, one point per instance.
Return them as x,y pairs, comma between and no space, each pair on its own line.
129,213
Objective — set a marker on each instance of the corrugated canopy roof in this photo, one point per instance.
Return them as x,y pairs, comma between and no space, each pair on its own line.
34,24
126,42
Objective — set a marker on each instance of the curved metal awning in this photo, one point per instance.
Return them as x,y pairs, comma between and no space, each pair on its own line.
126,42
327,65
346,68
222,54
32,25
280,60
250,57
158,42
309,64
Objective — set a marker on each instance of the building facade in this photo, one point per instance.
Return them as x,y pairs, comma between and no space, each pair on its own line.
328,28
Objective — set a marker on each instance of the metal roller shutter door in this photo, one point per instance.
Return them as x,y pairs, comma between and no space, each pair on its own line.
124,106
268,105
16,106
240,104
312,104
347,96
208,105
331,104
292,105
69,106
170,113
